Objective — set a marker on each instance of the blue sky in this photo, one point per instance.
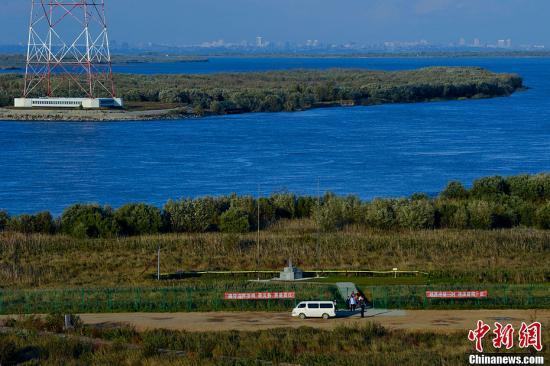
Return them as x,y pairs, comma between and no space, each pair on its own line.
334,21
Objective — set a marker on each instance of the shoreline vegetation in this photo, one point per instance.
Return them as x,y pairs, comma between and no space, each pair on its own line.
150,97
492,203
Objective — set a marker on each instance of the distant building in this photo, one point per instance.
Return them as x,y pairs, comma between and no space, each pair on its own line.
462,42
477,42
504,43
312,43
260,42
213,44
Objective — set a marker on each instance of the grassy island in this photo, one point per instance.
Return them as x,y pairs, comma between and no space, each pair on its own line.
293,90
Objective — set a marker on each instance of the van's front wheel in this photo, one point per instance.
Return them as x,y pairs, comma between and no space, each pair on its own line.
326,316
302,316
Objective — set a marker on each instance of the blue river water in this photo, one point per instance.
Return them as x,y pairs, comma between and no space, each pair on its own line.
377,151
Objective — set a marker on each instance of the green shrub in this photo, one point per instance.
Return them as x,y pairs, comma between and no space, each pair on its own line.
89,221
304,206
527,214
481,214
455,191
139,219
380,214
194,216
445,210
54,322
534,188
461,217
330,215
198,110
41,223
543,217
234,221
4,219
419,214
285,205
490,187
352,210
22,224
268,213
44,223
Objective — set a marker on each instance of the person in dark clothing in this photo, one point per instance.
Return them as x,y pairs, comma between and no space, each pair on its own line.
363,306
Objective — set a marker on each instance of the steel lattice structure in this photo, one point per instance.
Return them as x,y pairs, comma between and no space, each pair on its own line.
68,50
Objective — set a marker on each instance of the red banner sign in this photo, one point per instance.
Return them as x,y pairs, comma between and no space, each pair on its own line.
456,294
259,295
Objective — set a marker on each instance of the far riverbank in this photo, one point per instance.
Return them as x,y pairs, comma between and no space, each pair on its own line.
153,97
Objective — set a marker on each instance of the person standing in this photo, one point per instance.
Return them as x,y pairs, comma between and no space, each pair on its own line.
353,302
363,305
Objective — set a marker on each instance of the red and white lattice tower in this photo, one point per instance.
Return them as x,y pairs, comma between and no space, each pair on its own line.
68,50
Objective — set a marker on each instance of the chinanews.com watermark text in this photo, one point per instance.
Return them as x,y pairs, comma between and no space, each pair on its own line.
509,359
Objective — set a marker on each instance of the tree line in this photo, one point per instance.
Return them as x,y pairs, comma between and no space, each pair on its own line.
294,90
491,203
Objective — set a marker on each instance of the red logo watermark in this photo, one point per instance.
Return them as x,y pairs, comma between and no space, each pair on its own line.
528,335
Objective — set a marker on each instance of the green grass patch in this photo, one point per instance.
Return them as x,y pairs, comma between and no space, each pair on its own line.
374,281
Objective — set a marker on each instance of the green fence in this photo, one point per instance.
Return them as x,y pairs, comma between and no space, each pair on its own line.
498,297
166,299
211,298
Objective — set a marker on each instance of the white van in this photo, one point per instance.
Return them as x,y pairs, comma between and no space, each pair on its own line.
314,309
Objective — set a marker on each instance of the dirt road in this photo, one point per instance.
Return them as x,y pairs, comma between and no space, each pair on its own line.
433,320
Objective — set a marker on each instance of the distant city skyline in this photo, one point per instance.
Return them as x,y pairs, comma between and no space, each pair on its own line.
263,42
502,23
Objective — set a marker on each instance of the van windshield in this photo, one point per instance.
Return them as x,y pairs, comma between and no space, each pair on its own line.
301,306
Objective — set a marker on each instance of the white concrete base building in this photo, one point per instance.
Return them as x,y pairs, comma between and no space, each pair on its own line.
291,273
86,103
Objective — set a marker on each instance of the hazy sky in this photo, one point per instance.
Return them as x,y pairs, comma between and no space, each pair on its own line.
334,21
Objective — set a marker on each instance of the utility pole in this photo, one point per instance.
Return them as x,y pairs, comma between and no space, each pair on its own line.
258,236
318,223
158,263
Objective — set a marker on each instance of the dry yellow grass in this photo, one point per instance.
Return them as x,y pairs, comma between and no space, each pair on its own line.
503,256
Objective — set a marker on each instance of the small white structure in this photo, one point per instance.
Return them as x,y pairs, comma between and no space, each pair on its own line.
291,273
86,103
